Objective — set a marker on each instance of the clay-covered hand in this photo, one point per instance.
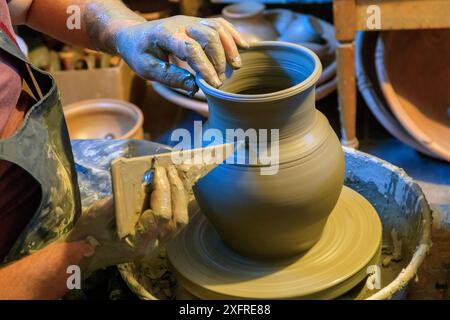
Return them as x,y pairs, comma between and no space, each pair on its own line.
167,214
205,44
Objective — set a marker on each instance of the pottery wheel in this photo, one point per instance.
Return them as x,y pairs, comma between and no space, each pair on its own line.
350,242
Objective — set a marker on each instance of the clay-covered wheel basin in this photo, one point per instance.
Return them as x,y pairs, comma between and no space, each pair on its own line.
413,68
104,119
386,187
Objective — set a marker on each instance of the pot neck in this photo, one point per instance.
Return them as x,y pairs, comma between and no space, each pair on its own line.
290,115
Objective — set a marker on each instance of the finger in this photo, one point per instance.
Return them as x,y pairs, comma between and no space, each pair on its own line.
189,50
240,41
195,56
230,48
147,228
145,239
179,198
189,174
87,247
160,199
159,53
209,40
149,67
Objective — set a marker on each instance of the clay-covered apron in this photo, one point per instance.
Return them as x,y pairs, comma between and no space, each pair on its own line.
41,146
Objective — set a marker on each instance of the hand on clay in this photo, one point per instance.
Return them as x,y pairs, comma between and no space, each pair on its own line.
205,44
168,213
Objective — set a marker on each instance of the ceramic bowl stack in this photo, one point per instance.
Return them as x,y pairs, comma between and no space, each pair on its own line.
408,93
257,24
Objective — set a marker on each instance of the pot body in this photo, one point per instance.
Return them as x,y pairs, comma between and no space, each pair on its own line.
280,214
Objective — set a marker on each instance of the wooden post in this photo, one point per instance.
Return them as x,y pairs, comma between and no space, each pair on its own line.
344,12
350,16
345,56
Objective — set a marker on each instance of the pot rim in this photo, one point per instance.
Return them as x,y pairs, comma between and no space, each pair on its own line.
310,81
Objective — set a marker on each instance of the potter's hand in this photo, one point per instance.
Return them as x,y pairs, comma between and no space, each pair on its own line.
205,44
168,213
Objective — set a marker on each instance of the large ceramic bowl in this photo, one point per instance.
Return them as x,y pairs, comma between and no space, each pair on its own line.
104,119
371,91
417,84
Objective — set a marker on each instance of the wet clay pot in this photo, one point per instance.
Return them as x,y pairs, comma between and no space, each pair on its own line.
283,214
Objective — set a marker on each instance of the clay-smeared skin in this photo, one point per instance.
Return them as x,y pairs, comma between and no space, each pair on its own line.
206,44
179,197
169,200
160,201
168,213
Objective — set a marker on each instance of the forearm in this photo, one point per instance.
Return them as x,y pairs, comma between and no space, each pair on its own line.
99,21
102,20
207,45
42,275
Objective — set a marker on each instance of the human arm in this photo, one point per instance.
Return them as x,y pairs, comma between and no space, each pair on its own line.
205,44
167,213
43,274
94,243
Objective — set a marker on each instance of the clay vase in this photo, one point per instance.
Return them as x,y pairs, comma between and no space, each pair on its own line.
279,215
247,18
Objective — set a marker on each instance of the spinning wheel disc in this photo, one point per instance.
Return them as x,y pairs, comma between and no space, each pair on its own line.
350,242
